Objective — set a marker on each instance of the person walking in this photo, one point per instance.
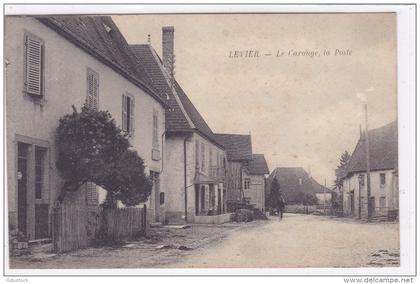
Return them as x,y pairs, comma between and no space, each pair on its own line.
280,206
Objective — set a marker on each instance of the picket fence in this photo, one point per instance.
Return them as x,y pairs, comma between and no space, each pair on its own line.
76,227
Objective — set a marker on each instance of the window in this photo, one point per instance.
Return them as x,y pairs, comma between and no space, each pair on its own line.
162,198
203,157
91,194
300,181
128,114
34,60
362,180
382,202
382,178
247,183
197,154
92,98
210,158
39,171
155,129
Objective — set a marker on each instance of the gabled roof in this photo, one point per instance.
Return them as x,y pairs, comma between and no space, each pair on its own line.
288,178
383,150
100,37
182,114
258,165
238,147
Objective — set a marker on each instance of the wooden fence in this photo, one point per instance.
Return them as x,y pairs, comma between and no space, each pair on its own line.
77,227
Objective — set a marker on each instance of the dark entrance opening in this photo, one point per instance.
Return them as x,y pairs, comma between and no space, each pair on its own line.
22,179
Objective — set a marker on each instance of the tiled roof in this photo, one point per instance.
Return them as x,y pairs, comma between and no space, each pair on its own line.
182,111
238,147
383,150
258,165
100,37
175,118
288,179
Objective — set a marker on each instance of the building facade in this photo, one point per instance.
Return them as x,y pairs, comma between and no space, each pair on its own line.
54,63
194,161
254,178
383,148
239,155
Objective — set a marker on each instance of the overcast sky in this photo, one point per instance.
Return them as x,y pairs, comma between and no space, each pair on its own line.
301,111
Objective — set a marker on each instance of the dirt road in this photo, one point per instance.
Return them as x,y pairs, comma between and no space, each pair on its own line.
304,241
296,241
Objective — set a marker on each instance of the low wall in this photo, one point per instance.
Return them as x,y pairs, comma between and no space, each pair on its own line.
216,219
302,209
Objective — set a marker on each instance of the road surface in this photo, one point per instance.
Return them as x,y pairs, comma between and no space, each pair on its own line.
303,241
296,241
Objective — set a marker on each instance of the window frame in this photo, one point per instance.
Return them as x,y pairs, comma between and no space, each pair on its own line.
129,117
380,179
40,99
247,183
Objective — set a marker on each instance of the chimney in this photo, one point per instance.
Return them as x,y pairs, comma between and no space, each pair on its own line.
168,56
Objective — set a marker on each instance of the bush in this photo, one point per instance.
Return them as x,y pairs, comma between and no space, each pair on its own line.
259,215
242,215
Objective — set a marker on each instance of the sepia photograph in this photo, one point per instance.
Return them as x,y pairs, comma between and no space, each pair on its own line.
205,140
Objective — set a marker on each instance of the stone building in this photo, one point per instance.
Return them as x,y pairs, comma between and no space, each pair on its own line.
53,63
383,148
194,160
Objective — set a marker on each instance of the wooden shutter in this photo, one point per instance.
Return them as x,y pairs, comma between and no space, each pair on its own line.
92,98
203,157
34,48
131,114
155,129
124,112
91,194
197,153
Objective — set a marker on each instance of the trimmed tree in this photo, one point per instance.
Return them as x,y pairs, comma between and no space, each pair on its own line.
91,148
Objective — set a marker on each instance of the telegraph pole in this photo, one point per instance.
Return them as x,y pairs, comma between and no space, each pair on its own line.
369,205
325,186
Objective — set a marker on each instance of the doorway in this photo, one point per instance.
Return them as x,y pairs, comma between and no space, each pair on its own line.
197,199
22,180
157,197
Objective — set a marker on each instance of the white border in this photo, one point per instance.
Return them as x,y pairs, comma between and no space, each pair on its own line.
406,111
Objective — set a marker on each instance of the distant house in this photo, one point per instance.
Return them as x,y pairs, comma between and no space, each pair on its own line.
383,148
299,187
239,155
245,171
193,160
254,181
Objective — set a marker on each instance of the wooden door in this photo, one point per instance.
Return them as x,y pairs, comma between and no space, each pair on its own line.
22,180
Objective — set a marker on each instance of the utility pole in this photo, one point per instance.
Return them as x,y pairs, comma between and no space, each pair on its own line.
369,205
325,186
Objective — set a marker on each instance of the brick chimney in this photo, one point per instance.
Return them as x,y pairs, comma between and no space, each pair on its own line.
168,56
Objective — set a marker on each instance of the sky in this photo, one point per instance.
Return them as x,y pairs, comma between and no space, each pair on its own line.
301,110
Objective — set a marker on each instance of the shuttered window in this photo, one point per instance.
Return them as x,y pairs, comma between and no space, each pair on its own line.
128,106
91,194
211,157
197,154
155,129
92,98
203,157
34,65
